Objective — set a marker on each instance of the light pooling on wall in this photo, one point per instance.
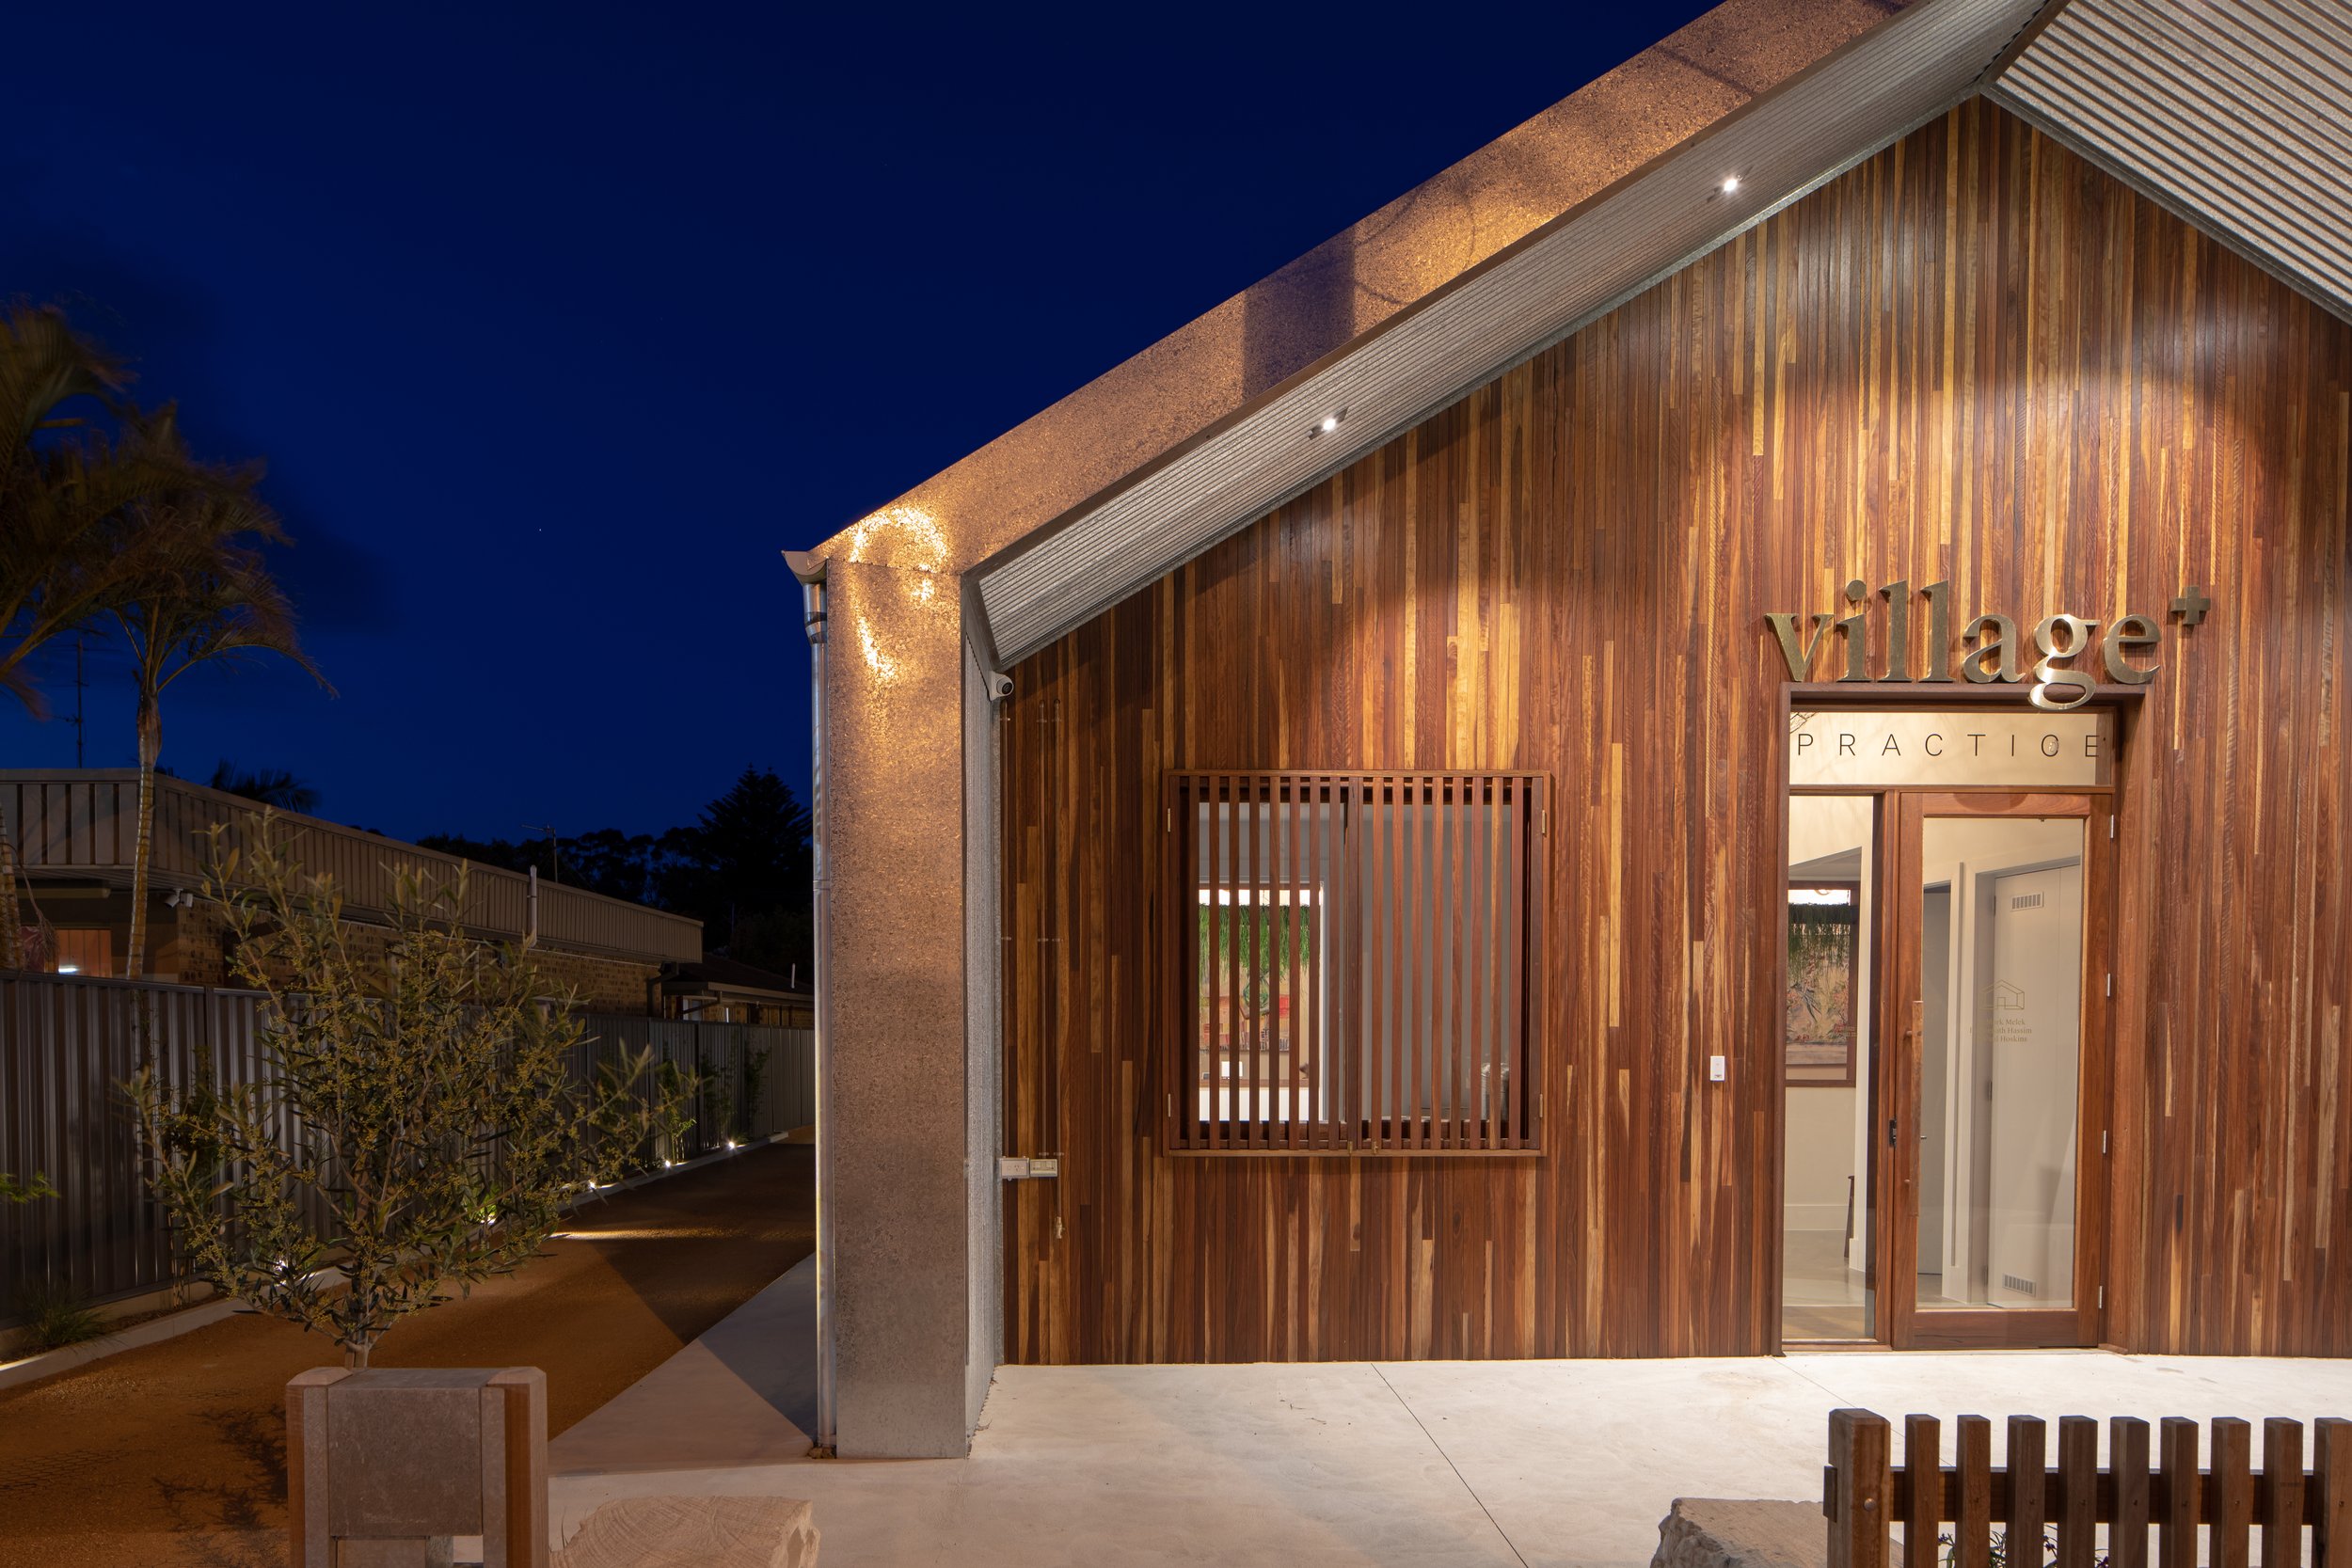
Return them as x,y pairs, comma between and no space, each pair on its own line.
910,542
884,667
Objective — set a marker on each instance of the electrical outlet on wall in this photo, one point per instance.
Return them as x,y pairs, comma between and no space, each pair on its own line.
1714,1069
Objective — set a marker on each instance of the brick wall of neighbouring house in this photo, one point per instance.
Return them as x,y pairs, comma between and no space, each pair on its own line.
194,947
603,985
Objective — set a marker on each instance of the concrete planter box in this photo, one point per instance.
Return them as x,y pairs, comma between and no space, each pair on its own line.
384,1468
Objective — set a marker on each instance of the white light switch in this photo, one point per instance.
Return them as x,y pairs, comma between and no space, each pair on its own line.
1714,1069
1046,1164
1012,1167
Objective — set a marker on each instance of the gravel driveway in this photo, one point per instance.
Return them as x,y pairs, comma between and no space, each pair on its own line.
175,1452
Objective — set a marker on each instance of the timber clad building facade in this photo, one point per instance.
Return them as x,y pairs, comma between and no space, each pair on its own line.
1805,802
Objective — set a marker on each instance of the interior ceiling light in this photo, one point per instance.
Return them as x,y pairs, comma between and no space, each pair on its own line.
1731,184
1328,423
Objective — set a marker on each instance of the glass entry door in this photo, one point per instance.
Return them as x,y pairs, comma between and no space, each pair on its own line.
1997,983
1835,889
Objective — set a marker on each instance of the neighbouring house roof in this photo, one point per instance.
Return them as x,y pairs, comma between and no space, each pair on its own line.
82,823
2232,112
717,972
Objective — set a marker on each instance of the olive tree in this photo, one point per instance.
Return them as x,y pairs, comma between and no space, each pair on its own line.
416,1127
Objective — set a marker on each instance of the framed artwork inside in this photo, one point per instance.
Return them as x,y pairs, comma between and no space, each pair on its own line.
1824,980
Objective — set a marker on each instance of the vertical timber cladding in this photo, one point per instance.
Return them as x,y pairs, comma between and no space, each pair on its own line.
1972,357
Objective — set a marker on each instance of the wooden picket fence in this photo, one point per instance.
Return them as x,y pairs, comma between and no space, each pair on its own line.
1865,1493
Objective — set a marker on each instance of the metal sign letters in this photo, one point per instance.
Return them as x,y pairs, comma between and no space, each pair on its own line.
2065,655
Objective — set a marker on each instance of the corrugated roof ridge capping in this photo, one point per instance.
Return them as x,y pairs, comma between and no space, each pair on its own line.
1525,298
2238,118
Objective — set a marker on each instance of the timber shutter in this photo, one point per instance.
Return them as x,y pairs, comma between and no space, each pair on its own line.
1350,963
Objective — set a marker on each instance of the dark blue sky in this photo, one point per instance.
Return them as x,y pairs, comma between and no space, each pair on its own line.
556,324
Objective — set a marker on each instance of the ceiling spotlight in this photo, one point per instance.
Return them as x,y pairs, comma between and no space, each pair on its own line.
1328,423
1731,184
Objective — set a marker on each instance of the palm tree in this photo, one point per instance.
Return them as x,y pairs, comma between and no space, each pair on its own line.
57,488
201,591
60,481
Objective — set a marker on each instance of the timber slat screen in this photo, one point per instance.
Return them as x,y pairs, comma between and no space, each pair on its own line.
1351,955
1862,1493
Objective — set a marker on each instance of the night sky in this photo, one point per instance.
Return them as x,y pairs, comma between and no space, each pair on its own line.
556,325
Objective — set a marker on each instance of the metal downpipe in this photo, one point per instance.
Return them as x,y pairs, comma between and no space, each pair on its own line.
812,576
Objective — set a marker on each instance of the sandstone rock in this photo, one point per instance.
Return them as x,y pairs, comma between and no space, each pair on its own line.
1722,1532
695,1532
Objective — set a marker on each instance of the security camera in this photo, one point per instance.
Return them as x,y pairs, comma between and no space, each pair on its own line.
999,685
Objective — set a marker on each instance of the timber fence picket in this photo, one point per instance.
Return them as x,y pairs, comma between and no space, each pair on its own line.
2026,1514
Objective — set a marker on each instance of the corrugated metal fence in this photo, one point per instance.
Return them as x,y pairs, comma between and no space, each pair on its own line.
66,1044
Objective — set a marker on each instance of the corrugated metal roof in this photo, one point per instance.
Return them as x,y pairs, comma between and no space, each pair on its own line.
1526,297
2237,114
84,822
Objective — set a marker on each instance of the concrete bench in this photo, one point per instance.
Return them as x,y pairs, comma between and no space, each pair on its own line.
696,1533
1722,1532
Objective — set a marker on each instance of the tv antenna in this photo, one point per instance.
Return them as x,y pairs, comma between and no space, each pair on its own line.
555,849
78,684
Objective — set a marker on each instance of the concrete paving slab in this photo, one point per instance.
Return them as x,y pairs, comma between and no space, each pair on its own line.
1578,1460
1539,1464
736,1396
1302,1466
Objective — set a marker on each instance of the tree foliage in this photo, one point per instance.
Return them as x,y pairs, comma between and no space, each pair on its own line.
420,1129
62,482
108,520
201,594
14,1189
742,868
58,485
275,787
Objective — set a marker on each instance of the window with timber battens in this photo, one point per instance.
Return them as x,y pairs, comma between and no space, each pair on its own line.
1351,962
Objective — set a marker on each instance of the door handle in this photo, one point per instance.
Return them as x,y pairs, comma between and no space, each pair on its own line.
1890,1131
